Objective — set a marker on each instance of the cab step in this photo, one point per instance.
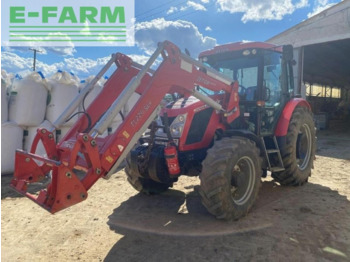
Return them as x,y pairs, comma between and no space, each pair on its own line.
271,152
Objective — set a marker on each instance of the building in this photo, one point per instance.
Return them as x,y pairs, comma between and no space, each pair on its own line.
322,52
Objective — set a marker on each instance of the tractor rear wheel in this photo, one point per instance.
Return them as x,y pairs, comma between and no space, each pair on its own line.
230,178
298,152
141,184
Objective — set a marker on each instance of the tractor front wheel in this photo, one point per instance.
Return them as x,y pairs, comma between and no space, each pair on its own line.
230,178
142,184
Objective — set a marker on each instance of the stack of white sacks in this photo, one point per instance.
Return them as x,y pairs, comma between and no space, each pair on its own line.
34,102
26,108
11,134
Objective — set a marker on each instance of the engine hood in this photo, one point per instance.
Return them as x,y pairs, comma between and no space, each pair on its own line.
184,105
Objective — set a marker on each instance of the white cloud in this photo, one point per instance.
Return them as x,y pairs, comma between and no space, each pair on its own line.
196,6
58,50
302,3
254,10
11,62
321,2
208,28
25,49
182,33
82,67
205,1
141,59
189,5
172,9
61,50
319,6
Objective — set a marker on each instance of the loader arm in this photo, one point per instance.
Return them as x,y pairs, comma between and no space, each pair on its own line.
83,149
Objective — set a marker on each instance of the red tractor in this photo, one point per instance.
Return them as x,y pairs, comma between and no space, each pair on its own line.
230,117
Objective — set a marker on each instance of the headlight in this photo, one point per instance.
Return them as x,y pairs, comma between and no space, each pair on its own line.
177,126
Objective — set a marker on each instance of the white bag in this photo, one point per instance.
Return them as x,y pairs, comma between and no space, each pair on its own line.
28,100
63,89
11,139
4,102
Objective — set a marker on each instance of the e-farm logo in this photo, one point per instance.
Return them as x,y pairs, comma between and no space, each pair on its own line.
66,22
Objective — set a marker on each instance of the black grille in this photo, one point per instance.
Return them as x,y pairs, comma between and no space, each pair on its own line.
199,126
170,119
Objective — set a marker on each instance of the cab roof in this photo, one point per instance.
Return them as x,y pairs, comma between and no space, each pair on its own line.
231,47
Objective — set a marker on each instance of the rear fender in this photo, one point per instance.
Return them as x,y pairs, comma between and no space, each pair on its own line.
283,122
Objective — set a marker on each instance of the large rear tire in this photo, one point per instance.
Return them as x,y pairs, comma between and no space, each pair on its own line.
230,178
141,184
298,152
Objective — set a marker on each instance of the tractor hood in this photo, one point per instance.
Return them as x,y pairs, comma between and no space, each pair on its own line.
183,106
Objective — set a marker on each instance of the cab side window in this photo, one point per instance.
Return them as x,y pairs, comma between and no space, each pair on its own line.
272,78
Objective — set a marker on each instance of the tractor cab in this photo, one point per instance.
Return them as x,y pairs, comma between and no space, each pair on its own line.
265,81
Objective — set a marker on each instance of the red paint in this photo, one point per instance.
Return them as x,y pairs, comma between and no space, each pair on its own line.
170,154
283,122
239,46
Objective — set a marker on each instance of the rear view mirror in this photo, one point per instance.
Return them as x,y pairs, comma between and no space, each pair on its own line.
266,94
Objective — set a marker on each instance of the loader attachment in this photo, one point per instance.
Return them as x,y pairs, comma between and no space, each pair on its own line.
65,189
84,155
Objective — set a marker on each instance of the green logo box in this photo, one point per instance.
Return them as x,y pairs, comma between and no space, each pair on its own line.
66,23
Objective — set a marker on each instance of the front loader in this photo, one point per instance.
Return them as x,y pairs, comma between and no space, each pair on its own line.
230,118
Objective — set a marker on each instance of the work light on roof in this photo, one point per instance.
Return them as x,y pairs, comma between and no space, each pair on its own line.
246,52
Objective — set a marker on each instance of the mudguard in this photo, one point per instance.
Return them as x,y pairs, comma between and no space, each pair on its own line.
283,122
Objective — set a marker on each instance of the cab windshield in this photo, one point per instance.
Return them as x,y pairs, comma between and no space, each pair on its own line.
253,72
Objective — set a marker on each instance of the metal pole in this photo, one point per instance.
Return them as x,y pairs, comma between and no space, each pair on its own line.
34,58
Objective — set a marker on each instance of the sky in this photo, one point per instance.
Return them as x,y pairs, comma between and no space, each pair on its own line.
197,25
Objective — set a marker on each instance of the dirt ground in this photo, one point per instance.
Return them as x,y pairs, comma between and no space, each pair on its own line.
308,223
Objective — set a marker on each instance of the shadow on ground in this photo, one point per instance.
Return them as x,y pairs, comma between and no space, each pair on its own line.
286,223
6,190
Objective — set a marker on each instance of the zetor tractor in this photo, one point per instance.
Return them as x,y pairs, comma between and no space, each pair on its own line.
230,117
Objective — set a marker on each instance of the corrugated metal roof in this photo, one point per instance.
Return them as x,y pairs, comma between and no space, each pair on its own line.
330,25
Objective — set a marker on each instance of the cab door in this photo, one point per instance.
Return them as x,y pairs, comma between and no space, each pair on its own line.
271,92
